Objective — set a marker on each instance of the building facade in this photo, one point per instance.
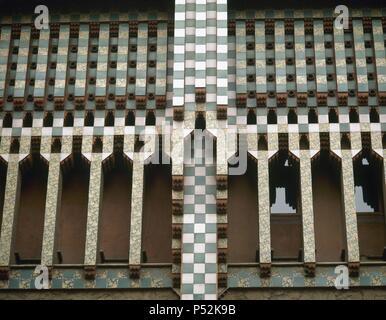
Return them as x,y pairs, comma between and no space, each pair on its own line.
199,150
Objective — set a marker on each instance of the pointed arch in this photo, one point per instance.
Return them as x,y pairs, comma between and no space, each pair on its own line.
157,218
369,181
70,236
28,237
286,222
242,212
115,216
329,217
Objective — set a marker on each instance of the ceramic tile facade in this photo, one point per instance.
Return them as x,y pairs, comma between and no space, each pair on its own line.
199,52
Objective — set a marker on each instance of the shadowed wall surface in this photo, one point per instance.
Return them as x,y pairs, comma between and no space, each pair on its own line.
157,213
328,211
114,232
71,227
30,218
243,232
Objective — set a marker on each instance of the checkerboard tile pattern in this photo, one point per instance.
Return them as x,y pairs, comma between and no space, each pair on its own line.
199,257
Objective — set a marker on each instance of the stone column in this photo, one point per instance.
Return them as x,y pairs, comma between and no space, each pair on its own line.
52,206
307,210
11,201
264,212
93,210
136,216
350,211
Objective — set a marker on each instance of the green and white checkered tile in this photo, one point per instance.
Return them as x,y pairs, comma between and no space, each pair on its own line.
199,248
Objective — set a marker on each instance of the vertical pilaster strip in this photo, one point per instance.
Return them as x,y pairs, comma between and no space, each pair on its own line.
41,64
136,211
300,57
379,50
241,58
179,53
280,65
340,61
140,83
222,52
349,207
62,61
264,208
82,60
211,54
221,205
360,56
320,57
5,40
200,44
122,56
93,208
307,207
177,156
11,201
261,72
103,56
162,41
22,61
51,209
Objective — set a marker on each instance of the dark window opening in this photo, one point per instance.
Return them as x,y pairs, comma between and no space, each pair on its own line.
292,117
70,236
368,180
114,234
251,117
130,119
157,220
242,211
30,218
27,121
7,121
150,119
328,209
272,117
89,120
48,120
69,120
286,224
333,116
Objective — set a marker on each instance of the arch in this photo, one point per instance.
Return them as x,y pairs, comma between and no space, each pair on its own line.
115,216
243,215
271,117
333,116
150,118
28,237
251,117
157,218
48,120
68,120
89,120
312,116
72,218
329,215
292,117
130,119
286,223
7,121
374,115
200,122
27,121
353,116
368,181
109,120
